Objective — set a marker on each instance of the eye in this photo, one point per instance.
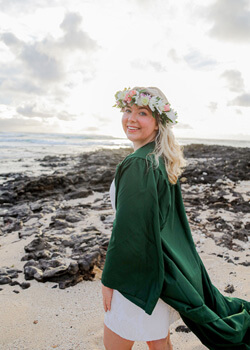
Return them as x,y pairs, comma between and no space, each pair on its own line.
127,110
143,113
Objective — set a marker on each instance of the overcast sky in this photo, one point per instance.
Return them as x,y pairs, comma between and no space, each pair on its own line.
61,62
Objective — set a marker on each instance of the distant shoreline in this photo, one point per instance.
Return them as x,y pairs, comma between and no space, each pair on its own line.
57,139
36,160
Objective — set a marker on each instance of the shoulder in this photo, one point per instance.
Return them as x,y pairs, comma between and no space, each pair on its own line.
142,162
141,156
138,167
134,164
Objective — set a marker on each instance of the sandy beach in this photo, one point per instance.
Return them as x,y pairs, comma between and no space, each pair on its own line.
45,316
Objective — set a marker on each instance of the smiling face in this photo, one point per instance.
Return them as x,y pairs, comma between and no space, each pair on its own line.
139,125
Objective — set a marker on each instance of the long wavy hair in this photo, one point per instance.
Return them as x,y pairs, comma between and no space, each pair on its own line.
166,145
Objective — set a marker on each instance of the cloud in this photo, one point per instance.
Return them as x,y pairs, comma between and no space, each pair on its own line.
21,124
235,83
242,100
42,65
103,119
142,5
15,85
158,66
231,20
142,2
234,80
91,129
64,115
31,110
42,58
27,6
183,126
27,110
19,84
213,106
174,56
46,67
145,65
196,60
39,64
74,37
10,39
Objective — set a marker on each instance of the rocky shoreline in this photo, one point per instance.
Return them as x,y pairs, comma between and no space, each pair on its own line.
65,219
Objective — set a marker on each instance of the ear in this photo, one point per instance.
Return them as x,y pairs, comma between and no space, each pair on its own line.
156,127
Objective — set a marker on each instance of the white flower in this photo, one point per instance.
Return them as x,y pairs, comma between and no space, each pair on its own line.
145,100
121,95
136,97
152,103
139,101
172,115
160,106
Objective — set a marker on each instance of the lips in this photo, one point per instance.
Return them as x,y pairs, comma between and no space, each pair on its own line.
132,128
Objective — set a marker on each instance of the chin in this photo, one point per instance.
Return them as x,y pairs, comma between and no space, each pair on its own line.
131,137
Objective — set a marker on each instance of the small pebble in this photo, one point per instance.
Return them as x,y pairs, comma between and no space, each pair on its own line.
229,288
182,328
25,285
14,283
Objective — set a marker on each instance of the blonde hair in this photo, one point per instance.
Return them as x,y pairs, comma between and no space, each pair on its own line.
166,144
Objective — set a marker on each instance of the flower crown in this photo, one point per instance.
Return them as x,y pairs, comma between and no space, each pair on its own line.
143,98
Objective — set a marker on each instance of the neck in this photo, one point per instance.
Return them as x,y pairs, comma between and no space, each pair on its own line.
139,145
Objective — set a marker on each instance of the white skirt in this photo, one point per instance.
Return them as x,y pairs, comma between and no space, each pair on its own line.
131,322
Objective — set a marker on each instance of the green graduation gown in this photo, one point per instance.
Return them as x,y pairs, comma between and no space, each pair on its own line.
152,254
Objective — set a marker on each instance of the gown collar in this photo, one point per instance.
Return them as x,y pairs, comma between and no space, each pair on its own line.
145,149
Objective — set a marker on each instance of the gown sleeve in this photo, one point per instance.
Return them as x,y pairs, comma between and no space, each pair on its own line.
134,261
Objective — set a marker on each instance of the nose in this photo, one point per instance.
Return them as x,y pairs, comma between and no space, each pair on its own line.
132,116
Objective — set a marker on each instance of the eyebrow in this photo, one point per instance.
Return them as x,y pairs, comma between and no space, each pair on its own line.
143,107
139,107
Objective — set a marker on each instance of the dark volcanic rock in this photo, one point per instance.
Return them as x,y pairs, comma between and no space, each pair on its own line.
53,210
7,274
37,244
78,194
219,161
65,275
245,263
11,225
182,328
88,249
88,174
5,279
229,288
32,272
242,235
25,285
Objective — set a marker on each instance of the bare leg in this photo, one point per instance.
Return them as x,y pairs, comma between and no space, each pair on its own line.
160,344
113,341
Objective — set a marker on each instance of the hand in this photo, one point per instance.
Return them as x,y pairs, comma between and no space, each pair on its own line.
107,294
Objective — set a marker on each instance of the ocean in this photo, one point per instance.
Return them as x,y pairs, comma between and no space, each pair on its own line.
20,152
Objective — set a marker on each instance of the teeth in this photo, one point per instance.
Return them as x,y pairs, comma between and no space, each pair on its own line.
129,127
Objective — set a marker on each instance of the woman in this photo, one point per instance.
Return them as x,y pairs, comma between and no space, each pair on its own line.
152,267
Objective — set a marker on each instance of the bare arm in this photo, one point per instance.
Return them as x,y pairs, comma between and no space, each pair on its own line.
107,294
